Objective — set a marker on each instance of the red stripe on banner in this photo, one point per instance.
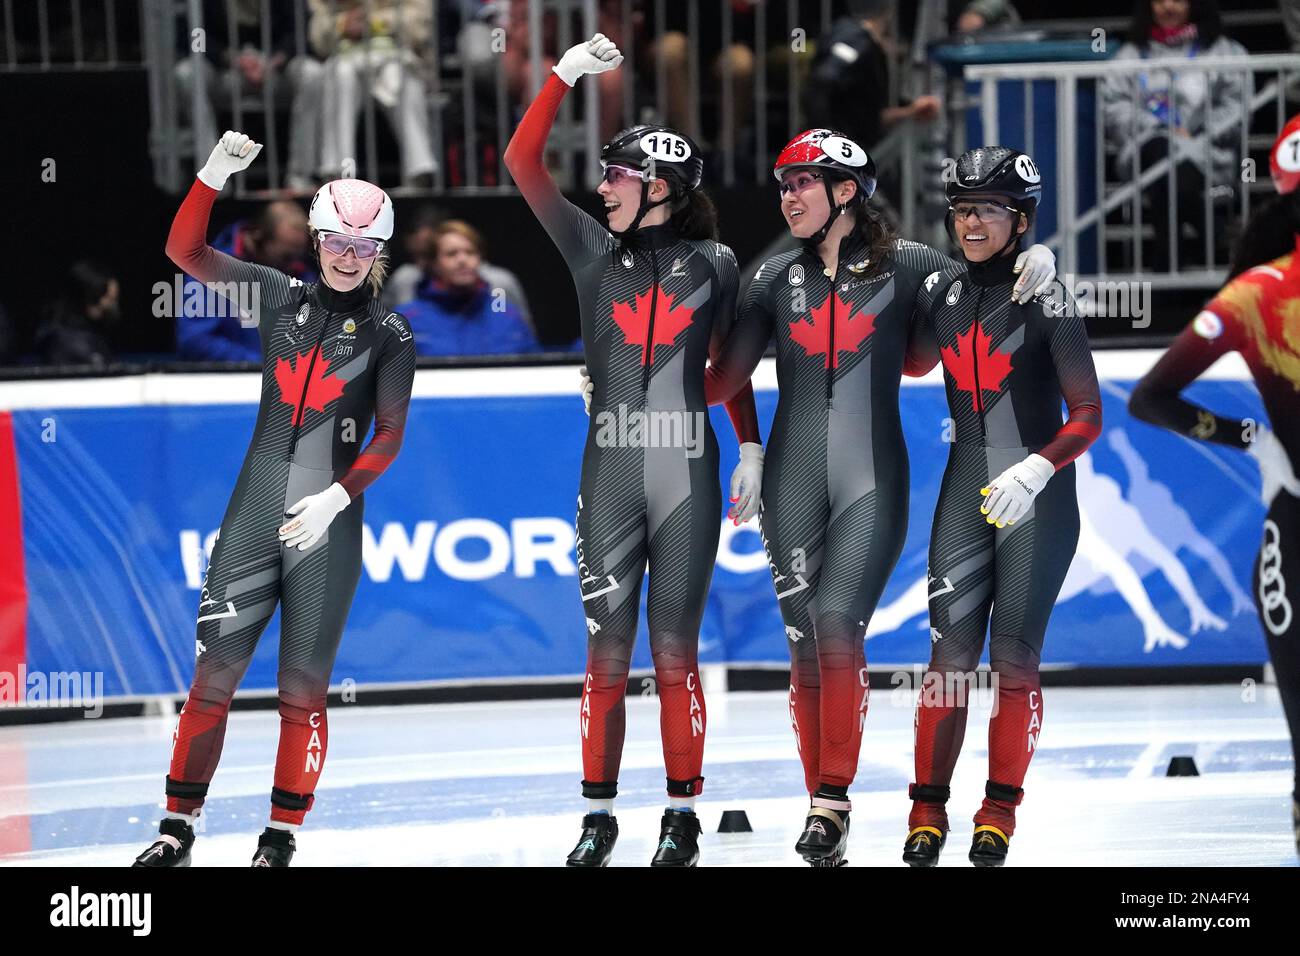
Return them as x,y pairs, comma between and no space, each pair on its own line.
13,580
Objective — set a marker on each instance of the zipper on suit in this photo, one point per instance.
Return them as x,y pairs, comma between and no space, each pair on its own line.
306,384
650,326
975,363
830,340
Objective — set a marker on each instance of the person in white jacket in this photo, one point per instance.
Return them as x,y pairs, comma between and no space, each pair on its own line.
1198,111
381,56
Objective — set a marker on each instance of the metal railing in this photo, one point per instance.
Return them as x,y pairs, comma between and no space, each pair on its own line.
1228,149
64,35
477,86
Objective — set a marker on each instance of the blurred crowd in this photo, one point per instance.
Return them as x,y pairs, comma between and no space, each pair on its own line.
318,61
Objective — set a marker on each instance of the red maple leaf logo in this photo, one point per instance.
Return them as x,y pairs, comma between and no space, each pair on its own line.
960,362
634,318
851,329
320,390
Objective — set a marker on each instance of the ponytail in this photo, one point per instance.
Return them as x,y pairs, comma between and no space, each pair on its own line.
696,218
1269,234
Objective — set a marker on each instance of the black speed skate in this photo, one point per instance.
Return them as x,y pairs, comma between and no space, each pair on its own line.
172,848
825,837
596,846
923,846
275,847
679,839
989,846
1295,821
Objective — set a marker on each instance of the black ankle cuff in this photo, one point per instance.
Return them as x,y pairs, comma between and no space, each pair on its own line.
186,791
1004,793
685,788
928,793
597,790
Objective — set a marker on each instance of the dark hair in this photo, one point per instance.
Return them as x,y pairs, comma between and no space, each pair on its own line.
1204,14
698,218
1269,234
873,228
85,285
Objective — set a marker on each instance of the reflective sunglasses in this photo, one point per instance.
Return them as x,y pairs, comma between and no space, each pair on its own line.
339,244
983,211
799,182
618,174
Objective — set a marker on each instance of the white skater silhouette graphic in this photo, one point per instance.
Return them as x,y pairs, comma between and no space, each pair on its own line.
1177,529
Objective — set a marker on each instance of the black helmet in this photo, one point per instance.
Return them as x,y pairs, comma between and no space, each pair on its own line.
670,155
997,171
674,155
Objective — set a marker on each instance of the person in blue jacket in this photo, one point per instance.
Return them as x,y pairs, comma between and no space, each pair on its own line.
277,237
456,311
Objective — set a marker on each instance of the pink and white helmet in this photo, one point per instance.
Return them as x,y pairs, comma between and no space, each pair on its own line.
352,207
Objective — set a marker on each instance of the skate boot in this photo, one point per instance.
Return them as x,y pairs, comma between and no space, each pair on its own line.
989,846
825,837
172,848
275,847
679,839
994,824
1295,821
923,846
929,825
599,833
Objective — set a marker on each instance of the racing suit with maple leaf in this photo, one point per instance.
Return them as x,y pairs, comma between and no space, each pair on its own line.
835,480
652,308
331,363
1257,315
1007,368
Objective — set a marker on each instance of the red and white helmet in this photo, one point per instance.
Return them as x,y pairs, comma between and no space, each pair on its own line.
1284,157
352,207
825,148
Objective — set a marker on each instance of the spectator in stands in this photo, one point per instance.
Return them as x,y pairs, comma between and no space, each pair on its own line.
517,60
848,89
276,237
387,51
1141,110
987,15
455,311
674,49
245,69
74,328
420,243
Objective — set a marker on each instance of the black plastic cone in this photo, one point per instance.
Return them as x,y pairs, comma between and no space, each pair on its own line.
734,821
1182,767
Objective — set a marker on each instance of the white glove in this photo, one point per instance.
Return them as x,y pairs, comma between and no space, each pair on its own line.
1011,494
234,152
588,388
595,56
746,483
1037,268
314,514
1275,469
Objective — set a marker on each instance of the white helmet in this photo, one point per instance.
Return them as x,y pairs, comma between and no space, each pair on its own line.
352,207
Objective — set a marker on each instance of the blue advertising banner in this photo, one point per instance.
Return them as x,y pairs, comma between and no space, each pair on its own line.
469,569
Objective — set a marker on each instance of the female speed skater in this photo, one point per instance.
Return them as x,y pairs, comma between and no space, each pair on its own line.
657,294
333,360
1254,314
834,492
1007,520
